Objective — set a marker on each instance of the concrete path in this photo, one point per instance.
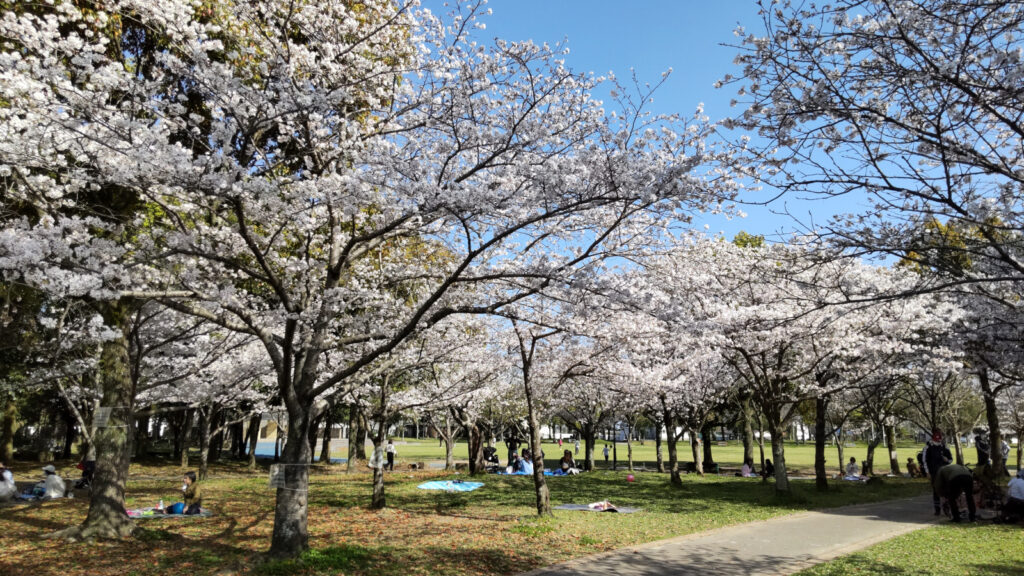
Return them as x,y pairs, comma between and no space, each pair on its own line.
778,546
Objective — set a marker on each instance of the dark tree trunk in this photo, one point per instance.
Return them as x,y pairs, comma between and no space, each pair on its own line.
995,432
107,517
820,475
186,437
779,456
217,418
254,438
748,431
869,462
70,433
539,484
325,445
589,444
205,417
7,429
657,450
476,450
706,433
291,533
142,437
890,443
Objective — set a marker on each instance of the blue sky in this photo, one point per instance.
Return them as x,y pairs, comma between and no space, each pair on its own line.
652,36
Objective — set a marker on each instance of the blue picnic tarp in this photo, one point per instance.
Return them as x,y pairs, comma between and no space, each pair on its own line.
450,485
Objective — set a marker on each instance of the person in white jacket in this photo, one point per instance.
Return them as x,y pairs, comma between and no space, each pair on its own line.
7,487
53,485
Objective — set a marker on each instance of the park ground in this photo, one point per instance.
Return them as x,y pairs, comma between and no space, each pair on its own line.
493,530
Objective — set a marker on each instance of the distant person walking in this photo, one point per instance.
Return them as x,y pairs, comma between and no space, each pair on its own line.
606,453
935,455
577,453
390,450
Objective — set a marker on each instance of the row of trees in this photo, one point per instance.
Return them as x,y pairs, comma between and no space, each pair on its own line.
343,206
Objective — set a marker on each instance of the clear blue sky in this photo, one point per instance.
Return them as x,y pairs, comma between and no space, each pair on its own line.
652,36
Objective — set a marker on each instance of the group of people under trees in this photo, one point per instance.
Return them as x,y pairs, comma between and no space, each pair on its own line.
50,487
955,485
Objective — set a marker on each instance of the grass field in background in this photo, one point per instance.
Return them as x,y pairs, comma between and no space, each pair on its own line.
799,457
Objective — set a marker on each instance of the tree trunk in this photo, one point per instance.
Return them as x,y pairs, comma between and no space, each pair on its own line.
890,443
748,431
7,429
325,443
291,535
589,443
70,433
959,448
869,462
142,437
476,449
706,434
695,442
840,450
238,440
629,446
205,416
820,475
779,455
314,428
539,484
107,517
379,500
186,437
995,433
254,438
657,450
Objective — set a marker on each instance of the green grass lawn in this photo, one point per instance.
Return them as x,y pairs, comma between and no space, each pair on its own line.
944,550
799,457
491,531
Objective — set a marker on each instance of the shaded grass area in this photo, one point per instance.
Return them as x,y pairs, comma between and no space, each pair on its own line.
493,530
947,549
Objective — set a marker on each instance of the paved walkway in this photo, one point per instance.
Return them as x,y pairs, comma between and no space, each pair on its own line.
777,546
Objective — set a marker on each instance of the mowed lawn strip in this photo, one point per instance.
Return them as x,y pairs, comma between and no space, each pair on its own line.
944,550
492,530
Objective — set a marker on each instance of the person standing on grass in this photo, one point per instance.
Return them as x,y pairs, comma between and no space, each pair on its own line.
391,455
951,481
577,452
935,455
605,453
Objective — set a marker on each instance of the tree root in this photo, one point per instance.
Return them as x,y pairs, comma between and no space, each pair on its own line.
84,533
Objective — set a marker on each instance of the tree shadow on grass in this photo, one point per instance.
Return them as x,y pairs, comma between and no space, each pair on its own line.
1002,569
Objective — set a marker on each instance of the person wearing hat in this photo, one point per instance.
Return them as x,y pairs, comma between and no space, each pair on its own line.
52,485
7,487
934,456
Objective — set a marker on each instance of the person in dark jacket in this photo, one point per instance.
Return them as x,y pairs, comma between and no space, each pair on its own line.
934,456
952,480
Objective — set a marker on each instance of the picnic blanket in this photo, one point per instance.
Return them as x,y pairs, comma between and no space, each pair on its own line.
450,485
156,513
591,508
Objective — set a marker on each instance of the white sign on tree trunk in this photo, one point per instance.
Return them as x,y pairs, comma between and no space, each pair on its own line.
377,459
101,416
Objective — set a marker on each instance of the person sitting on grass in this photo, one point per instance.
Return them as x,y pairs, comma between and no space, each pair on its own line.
747,471
52,485
191,494
852,470
7,487
1013,509
568,464
769,469
912,468
525,462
